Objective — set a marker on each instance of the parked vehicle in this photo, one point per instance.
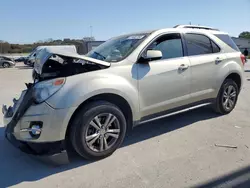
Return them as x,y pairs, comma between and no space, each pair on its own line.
32,57
6,62
91,101
21,59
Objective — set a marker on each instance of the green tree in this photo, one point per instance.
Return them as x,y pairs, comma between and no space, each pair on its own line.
245,34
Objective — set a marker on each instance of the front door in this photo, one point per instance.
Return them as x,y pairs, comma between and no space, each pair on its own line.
164,84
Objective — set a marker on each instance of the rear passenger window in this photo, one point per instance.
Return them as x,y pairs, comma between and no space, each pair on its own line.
198,44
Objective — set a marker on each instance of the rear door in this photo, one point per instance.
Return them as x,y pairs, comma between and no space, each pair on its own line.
206,59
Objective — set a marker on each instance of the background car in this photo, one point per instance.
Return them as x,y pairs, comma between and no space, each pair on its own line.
6,62
20,59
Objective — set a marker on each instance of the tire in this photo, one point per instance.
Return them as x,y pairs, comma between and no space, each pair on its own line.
223,98
82,129
6,65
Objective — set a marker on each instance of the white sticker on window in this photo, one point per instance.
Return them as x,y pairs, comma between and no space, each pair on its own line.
137,37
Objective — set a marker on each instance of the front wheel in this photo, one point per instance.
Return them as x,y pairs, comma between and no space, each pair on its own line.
227,97
98,130
6,65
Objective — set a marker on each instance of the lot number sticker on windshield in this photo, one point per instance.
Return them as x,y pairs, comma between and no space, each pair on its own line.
137,37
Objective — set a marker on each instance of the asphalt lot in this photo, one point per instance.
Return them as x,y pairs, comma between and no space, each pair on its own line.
178,151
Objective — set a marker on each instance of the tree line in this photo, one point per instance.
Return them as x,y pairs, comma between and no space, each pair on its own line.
6,47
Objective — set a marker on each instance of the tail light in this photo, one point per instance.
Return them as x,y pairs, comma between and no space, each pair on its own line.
243,59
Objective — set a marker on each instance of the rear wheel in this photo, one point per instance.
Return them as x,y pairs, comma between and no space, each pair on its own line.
6,65
227,97
98,130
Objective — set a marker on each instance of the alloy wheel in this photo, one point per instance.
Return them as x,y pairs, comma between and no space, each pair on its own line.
102,132
229,97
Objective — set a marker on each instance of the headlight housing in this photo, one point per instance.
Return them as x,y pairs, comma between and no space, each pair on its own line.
44,90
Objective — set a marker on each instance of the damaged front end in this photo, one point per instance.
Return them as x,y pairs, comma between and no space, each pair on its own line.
51,67
52,63
51,152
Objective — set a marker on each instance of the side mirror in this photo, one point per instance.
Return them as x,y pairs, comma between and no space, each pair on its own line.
152,55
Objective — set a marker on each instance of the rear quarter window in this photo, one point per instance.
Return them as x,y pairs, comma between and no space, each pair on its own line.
226,39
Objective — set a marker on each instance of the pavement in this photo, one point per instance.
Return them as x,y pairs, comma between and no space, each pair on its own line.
179,151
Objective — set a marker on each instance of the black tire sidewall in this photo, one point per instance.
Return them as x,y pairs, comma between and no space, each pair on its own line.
84,118
225,84
8,65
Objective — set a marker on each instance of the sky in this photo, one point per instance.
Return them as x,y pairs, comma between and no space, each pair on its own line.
28,21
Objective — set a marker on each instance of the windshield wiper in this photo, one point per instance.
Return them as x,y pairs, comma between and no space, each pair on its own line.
103,57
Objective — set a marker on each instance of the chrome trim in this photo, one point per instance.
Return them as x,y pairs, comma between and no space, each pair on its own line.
32,115
36,129
174,113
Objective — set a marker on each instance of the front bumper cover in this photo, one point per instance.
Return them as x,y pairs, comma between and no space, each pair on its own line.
54,152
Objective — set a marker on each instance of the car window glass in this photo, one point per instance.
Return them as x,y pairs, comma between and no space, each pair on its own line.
228,40
215,47
169,45
198,44
118,48
6,58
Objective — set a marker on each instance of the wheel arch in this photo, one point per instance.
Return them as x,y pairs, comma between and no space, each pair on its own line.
6,63
115,99
235,77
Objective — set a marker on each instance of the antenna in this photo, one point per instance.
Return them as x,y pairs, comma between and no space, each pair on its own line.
91,31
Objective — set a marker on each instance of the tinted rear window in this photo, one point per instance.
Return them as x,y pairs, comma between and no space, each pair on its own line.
228,41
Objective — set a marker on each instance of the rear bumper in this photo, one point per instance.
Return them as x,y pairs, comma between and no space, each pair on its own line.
28,62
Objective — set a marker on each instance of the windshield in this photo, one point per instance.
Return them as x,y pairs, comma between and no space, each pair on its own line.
116,49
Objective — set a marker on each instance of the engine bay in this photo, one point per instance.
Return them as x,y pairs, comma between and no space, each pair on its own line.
62,66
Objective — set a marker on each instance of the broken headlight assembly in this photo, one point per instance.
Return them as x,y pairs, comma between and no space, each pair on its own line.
45,89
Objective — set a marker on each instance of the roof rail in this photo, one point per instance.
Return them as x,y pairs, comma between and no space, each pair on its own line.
195,27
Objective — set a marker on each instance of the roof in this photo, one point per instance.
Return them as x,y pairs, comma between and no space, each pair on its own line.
181,28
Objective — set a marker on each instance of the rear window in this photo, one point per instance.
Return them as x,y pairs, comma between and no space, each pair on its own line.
6,58
228,41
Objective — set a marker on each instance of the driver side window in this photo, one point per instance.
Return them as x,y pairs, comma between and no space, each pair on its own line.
170,45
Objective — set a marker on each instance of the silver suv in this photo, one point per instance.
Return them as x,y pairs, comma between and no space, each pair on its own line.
89,102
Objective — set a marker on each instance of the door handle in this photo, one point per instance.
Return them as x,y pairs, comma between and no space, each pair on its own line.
183,67
218,60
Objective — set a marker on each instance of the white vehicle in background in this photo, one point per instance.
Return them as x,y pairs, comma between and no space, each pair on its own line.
31,58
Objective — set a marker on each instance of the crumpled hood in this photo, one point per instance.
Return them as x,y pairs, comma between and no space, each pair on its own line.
46,53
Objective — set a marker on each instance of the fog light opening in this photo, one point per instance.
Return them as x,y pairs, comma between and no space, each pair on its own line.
35,130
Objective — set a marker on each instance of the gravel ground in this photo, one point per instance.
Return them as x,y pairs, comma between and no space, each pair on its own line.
178,151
